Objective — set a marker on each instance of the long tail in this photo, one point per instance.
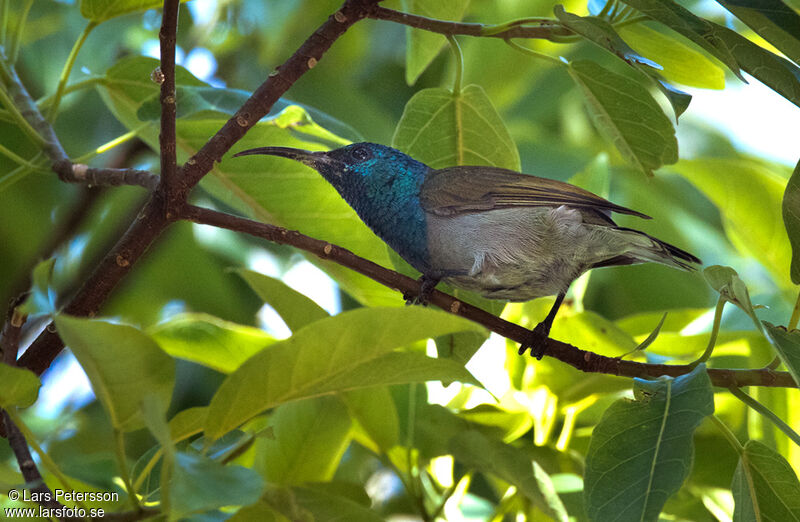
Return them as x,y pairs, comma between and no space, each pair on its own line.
645,247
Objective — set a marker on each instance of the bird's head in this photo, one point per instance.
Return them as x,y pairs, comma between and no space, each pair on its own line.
346,164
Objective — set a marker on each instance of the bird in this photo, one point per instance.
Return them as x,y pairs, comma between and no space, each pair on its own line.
501,233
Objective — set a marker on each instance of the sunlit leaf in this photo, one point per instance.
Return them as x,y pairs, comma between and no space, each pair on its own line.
123,364
210,341
791,220
641,451
696,29
748,196
295,309
773,20
512,465
310,439
20,387
423,46
681,63
375,414
349,351
765,486
187,422
787,344
627,115
269,189
102,10
603,34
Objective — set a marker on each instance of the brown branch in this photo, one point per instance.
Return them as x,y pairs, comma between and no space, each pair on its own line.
167,139
545,30
154,217
110,177
581,359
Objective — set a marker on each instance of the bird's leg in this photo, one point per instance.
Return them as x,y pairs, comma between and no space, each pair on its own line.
537,338
426,285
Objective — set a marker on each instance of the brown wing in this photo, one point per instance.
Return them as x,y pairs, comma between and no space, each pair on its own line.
457,190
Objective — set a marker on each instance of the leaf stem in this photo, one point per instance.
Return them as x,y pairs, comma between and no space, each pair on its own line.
712,340
766,412
119,439
490,30
459,59
14,44
65,72
13,111
795,315
728,433
20,160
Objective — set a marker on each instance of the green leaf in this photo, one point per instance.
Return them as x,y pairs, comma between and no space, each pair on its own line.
641,451
325,503
310,438
511,464
268,189
295,309
678,99
773,20
423,46
210,341
787,344
791,220
764,486
694,28
375,414
200,484
187,422
20,387
748,197
776,72
41,299
123,364
344,352
443,129
102,10
682,64
627,115
258,512
727,282
603,34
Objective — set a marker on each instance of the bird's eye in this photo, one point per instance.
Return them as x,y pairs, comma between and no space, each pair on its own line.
361,154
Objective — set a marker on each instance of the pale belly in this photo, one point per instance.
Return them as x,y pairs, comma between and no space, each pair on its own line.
518,254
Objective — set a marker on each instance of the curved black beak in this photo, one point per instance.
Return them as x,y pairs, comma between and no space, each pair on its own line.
303,156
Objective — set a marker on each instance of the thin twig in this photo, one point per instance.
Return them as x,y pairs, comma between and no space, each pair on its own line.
581,359
545,30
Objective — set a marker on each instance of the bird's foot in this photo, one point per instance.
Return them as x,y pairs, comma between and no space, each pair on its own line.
536,341
427,284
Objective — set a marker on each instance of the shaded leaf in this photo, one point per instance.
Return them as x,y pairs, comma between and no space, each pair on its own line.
200,484
187,422
345,352
375,414
627,115
512,465
694,28
310,439
295,309
423,46
764,486
677,98
776,72
20,387
791,220
210,341
681,63
787,344
773,20
603,34
726,281
42,299
641,451
748,196
123,364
